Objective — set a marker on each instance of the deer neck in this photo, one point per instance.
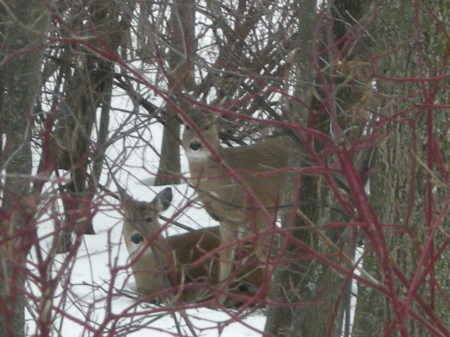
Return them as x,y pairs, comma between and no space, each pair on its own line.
150,261
152,266
205,165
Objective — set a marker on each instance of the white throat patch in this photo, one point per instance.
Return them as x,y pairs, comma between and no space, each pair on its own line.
136,249
197,155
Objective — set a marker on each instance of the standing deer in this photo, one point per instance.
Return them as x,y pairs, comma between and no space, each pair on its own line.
235,185
185,263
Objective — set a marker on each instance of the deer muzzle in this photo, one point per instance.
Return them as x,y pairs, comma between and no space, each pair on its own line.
195,146
137,238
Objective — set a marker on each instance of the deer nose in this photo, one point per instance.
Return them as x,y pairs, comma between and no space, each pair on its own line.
137,238
195,146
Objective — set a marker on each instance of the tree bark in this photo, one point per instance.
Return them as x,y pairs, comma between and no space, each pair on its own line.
291,281
324,291
403,178
24,26
183,48
88,86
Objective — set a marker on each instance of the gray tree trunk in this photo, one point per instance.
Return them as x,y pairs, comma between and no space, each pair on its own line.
183,49
310,281
397,189
294,282
88,86
24,25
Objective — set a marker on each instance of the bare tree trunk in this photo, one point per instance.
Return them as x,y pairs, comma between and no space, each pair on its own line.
24,27
169,166
402,186
182,23
87,87
311,281
291,280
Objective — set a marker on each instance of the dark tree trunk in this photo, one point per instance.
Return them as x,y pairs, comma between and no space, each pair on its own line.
87,88
182,69
324,292
405,163
24,26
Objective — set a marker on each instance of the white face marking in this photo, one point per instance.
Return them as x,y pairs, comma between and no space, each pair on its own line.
196,155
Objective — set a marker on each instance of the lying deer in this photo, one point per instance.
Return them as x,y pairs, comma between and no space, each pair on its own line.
182,266
237,186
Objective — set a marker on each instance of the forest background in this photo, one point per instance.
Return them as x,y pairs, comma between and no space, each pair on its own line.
92,90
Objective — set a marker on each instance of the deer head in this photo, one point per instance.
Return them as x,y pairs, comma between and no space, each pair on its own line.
141,218
193,141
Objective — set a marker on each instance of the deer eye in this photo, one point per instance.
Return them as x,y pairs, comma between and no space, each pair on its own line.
149,219
206,128
187,127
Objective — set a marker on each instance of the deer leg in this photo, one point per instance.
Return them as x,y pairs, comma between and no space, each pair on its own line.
265,247
227,256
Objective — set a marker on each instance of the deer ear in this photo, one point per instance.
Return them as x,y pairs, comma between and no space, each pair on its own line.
163,199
